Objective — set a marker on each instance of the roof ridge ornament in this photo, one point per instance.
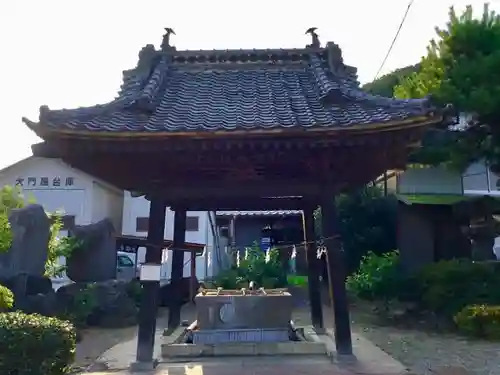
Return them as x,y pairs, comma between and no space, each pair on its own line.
315,37
165,44
146,56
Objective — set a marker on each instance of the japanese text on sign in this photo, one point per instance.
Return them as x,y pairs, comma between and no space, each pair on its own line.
45,181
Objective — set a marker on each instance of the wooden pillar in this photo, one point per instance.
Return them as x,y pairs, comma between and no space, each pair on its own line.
336,274
313,269
174,315
150,289
193,289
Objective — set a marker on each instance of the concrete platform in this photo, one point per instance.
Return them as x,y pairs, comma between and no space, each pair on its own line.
172,348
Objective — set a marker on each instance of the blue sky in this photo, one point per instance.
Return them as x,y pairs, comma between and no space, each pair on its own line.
70,53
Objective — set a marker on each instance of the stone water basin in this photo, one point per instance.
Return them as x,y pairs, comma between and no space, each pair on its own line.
243,323
243,309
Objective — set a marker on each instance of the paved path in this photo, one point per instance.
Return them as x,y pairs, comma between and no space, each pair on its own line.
254,366
370,360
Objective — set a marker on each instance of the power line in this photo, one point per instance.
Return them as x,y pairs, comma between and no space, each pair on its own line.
394,40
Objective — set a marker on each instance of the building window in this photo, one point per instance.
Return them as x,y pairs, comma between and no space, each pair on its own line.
141,224
192,223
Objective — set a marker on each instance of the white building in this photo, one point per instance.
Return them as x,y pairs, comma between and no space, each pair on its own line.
83,199
200,228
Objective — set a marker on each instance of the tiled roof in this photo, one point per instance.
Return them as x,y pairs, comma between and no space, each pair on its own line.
182,91
259,213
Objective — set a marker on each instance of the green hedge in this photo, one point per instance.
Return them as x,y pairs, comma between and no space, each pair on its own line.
444,287
32,344
6,298
448,286
378,277
480,321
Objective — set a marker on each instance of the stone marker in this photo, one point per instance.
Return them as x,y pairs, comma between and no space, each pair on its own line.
95,260
30,241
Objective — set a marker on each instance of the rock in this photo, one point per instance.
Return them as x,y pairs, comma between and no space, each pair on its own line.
183,286
121,312
30,293
30,242
26,285
109,302
96,259
43,304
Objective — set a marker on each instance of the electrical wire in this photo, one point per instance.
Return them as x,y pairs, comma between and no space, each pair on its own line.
394,40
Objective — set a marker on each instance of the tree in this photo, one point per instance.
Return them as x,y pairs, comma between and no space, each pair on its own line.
367,222
461,68
10,198
384,86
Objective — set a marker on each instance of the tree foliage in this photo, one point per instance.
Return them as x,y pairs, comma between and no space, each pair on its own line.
384,86
367,222
10,198
461,68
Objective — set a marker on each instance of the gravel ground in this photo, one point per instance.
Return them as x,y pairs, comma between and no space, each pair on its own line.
426,353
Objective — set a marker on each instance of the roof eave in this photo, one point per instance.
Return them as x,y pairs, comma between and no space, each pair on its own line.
44,130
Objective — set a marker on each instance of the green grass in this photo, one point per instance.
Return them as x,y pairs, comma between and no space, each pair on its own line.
296,280
433,199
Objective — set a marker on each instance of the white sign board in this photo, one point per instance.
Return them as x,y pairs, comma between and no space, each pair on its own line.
150,272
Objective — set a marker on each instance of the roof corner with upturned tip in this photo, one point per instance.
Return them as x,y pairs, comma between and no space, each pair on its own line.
175,92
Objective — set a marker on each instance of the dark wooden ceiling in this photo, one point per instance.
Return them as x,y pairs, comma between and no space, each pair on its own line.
192,171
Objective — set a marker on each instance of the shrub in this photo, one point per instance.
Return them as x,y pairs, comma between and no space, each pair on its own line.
6,298
80,304
479,321
264,269
134,291
378,276
448,286
35,345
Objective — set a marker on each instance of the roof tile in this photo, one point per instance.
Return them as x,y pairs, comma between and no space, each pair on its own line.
235,90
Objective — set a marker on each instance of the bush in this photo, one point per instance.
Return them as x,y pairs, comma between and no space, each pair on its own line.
378,277
448,286
6,298
134,291
79,307
480,321
35,345
264,269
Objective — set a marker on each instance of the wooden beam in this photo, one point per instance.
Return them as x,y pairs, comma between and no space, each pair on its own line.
238,204
221,192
